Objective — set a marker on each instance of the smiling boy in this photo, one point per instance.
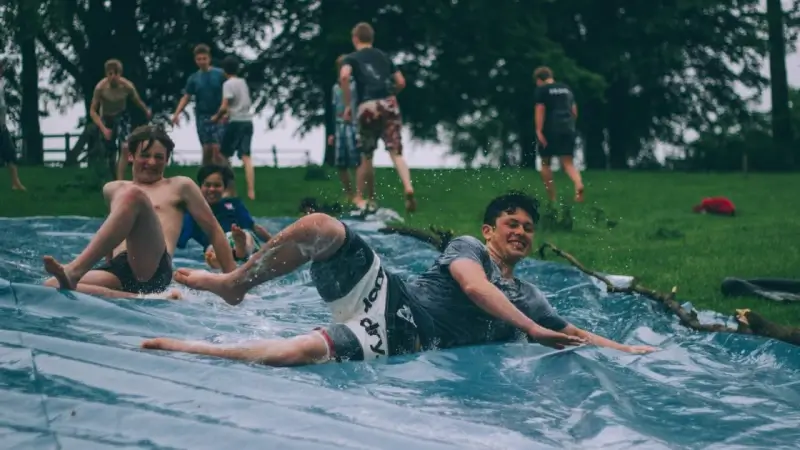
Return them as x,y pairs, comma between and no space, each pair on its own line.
139,234
469,295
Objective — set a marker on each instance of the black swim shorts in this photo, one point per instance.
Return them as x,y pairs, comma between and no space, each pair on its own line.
120,268
370,316
558,144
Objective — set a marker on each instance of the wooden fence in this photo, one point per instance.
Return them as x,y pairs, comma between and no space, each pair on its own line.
57,146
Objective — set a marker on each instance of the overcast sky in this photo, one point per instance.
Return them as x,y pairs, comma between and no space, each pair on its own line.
417,154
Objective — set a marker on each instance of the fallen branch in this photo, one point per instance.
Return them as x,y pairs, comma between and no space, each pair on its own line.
748,321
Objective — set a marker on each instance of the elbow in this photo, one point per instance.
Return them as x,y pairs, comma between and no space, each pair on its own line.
473,290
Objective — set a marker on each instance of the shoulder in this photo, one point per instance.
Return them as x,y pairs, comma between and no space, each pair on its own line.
466,242
101,84
181,183
128,84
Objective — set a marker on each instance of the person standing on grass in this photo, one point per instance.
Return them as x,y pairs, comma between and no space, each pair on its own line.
8,151
378,82
205,86
555,114
344,138
108,111
238,138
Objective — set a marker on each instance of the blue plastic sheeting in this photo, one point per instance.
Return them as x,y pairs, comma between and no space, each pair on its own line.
72,375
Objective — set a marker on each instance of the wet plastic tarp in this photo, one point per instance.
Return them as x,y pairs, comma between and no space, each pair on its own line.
72,374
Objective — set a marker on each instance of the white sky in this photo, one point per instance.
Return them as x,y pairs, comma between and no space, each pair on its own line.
418,155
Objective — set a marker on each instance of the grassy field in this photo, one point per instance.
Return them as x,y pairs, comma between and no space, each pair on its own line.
656,238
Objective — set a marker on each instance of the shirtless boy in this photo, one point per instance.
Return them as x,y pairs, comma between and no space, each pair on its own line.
139,235
109,103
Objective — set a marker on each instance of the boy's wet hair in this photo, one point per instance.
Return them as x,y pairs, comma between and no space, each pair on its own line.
209,169
149,134
508,203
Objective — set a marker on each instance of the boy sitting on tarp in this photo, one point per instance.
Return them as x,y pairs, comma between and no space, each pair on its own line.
244,235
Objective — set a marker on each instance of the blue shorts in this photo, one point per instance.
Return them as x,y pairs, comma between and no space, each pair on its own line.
347,155
207,131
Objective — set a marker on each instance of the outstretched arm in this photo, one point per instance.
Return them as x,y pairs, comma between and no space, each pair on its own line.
600,341
201,212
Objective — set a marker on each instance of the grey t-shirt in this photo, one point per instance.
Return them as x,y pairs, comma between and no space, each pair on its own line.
446,317
238,94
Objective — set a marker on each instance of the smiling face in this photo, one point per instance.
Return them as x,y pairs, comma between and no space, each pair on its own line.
213,187
511,237
149,162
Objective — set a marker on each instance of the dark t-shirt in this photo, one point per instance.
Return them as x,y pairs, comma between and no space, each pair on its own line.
373,72
557,99
446,317
228,211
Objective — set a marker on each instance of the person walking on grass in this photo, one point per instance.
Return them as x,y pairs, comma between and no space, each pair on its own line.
237,140
378,82
346,152
109,111
205,86
555,115
8,151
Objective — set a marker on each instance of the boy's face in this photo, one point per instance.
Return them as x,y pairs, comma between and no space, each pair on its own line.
113,76
203,60
213,188
149,163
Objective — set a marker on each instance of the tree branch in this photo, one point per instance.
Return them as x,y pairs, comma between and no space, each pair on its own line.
749,322
56,54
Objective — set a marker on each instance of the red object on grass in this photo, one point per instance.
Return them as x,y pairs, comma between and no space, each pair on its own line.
716,205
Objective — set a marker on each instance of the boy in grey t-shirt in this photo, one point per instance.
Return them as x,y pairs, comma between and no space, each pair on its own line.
238,135
8,152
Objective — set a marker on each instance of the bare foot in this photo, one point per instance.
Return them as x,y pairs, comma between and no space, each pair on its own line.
61,273
18,187
411,202
579,194
221,284
239,241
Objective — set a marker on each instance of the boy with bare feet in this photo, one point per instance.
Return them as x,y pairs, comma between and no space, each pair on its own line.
555,114
8,151
241,230
139,235
378,82
469,296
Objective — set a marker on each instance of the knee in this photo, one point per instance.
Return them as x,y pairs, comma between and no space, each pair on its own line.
321,228
132,195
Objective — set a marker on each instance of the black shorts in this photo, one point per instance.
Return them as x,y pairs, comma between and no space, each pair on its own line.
558,144
237,139
370,316
120,268
8,151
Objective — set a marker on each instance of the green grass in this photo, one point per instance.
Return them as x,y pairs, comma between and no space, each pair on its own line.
657,238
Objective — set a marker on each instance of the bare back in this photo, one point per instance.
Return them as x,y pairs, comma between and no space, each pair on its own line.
168,204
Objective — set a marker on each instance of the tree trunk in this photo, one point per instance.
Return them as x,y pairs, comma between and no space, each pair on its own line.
29,80
781,115
593,131
128,51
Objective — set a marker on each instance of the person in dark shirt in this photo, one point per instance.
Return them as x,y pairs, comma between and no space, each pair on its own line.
469,295
378,82
555,114
244,235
